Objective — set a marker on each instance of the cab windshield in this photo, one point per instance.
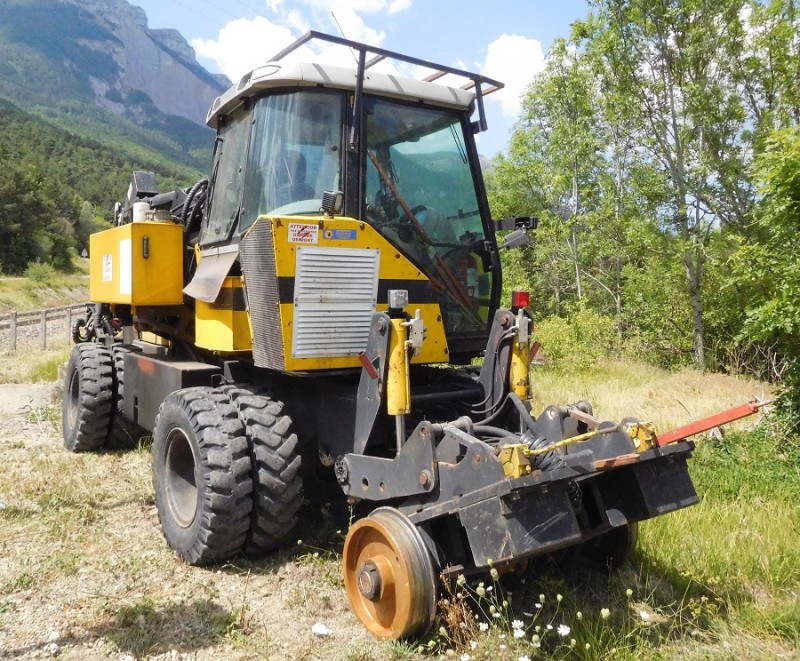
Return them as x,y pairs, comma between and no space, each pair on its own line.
420,194
295,154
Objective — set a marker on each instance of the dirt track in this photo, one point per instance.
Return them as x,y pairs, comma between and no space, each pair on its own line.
85,572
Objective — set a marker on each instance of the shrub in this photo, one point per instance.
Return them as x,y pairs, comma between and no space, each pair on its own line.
40,272
579,341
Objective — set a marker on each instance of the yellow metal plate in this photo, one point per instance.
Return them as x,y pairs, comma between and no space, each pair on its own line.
137,264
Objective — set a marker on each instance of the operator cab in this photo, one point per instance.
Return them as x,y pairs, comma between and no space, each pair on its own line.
400,150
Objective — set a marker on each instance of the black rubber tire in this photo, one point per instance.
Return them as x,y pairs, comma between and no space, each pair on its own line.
80,332
612,549
202,475
88,397
277,479
124,434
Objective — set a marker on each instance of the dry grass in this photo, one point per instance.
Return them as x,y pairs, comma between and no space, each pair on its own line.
667,399
30,365
85,572
24,294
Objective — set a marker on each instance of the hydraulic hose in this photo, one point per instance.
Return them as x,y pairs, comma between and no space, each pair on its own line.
550,461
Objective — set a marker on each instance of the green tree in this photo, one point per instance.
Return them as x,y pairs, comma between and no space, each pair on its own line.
668,58
769,267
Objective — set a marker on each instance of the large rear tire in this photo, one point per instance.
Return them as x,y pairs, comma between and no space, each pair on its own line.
277,481
88,397
202,475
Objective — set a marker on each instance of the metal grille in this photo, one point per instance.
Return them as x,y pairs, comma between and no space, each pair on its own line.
257,257
335,295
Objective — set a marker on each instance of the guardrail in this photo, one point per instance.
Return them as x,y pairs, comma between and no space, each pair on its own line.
50,321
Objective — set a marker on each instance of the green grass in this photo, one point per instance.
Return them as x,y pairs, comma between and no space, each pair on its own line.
57,290
717,580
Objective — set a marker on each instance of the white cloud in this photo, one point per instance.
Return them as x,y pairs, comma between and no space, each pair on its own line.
399,5
514,60
244,44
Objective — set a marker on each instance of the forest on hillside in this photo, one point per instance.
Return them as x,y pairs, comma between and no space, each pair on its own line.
57,188
660,150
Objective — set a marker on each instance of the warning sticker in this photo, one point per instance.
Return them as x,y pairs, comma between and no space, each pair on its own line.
303,233
108,268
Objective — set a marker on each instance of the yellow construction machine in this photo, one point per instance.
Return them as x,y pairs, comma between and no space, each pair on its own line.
314,309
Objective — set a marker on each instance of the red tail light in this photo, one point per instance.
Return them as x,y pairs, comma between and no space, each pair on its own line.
520,299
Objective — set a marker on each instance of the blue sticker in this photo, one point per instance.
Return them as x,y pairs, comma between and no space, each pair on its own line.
343,235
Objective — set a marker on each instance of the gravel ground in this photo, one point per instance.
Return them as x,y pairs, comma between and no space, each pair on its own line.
85,572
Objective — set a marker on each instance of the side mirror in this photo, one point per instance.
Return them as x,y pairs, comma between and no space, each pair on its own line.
518,223
516,239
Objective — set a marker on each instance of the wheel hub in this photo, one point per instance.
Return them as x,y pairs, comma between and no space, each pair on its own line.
181,481
369,580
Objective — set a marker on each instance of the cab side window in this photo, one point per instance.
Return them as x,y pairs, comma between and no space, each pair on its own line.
228,179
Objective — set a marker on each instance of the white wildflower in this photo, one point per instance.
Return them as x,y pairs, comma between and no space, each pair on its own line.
604,613
519,633
644,615
563,630
517,624
484,626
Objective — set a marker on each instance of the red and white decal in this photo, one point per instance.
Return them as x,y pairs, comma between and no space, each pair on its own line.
303,233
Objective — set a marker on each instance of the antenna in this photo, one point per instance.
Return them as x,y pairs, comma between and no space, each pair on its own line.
344,36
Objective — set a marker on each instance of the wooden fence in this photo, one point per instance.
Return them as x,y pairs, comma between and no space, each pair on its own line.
55,322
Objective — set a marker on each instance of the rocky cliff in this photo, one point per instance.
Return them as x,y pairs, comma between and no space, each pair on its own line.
101,51
157,63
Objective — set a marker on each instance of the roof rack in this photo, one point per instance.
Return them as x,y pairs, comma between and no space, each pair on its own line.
474,81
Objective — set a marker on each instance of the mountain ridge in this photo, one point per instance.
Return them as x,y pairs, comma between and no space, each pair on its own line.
96,67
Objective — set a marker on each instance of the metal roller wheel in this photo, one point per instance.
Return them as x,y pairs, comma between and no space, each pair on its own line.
389,575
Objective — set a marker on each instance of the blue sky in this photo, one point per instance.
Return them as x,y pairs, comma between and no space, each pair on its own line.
505,39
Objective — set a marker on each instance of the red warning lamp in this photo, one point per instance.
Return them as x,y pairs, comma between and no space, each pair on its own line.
520,299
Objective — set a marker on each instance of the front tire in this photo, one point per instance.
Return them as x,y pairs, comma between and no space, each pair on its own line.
88,397
202,475
277,481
